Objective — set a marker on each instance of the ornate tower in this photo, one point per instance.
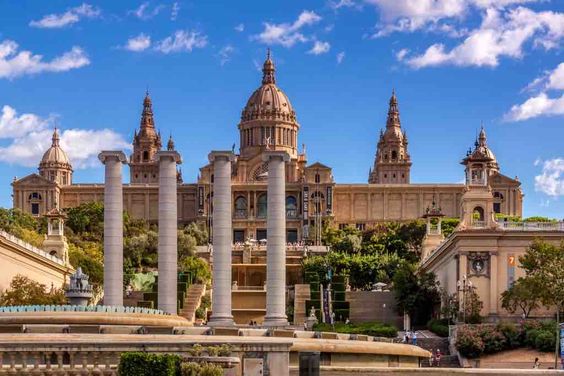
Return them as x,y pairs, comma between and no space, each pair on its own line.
392,163
477,200
144,167
55,242
55,165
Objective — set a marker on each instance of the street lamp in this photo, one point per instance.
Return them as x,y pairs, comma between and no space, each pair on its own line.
464,286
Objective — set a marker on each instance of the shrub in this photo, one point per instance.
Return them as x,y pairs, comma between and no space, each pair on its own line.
144,364
212,350
225,350
469,343
494,340
372,329
190,369
545,341
531,337
439,327
196,350
512,334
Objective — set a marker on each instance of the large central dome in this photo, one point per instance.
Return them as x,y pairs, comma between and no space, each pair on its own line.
268,119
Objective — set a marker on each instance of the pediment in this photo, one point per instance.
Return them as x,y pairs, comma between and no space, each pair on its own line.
318,165
33,180
503,180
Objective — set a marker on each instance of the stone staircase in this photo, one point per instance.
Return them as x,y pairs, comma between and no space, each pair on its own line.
192,301
434,343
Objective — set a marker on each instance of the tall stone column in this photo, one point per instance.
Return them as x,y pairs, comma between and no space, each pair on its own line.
276,239
113,227
168,225
222,238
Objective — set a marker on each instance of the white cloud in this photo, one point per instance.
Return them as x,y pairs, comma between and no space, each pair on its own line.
401,54
319,48
174,11
287,34
240,28
500,35
139,43
14,63
30,136
540,105
551,179
225,53
341,4
71,16
144,11
340,57
182,41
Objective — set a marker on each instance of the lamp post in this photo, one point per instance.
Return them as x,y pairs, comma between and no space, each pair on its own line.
464,286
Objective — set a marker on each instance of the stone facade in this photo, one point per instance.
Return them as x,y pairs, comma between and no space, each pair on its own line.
268,122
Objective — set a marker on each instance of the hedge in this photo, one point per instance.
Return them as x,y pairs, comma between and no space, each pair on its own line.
375,329
145,364
439,327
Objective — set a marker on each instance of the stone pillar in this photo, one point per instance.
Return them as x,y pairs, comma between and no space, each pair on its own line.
276,236
168,227
222,238
493,283
113,227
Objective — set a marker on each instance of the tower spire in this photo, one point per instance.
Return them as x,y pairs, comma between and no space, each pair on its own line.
55,139
268,70
147,120
393,111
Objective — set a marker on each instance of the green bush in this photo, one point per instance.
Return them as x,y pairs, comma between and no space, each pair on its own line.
372,329
469,343
512,334
531,337
195,369
494,340
439,327
144,364
342,314
545,341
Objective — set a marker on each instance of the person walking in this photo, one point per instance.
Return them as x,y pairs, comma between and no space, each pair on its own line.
432,359
414,338
536,365
438,357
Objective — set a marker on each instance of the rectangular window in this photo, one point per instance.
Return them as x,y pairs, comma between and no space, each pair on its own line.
292,235
497,207
35,209
238,236
342,226
261,234
361,226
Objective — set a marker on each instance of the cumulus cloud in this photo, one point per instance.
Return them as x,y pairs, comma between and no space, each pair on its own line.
14,63
551,179
401,54
71,16
182,41
139,43
319,48
335,5
340,57
287,34
240,28
542,103
29,137
145,12
225,54
501,34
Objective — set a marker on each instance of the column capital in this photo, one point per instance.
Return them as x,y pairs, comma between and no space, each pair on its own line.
174,155
269,154
221,154
108,154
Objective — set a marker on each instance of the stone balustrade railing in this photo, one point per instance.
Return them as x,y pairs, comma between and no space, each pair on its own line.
30,247
75,308
531,226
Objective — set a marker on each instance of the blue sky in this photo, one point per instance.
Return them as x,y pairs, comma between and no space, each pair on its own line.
84,67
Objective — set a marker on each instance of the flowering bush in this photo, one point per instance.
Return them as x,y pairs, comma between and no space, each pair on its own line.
494,340
469,342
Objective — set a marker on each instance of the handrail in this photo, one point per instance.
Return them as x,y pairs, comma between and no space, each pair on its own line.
75,308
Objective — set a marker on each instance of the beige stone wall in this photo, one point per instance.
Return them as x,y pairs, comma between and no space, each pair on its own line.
367,306
15,260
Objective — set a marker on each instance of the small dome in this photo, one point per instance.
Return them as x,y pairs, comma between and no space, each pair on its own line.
55,155
268,102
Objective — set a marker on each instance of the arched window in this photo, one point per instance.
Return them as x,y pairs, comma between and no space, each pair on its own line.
317,178
394,155
145,156
240,207
262,206
291,207
478,215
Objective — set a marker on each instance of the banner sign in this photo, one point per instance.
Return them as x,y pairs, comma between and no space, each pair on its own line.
305,203
329,200
201,199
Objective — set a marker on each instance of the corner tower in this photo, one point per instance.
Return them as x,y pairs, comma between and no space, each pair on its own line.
392,163
144,167
55,165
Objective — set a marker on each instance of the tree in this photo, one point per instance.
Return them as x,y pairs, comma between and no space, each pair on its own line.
25,291
520,295
472,307
198,267
544,271
417,295
86,219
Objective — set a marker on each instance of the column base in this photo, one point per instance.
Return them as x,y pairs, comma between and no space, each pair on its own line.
278,321
217,321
